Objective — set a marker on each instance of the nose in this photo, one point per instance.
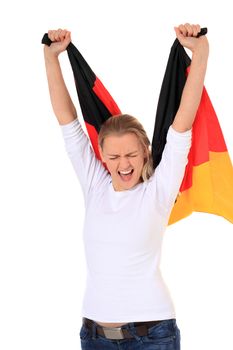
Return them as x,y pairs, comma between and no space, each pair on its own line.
124,163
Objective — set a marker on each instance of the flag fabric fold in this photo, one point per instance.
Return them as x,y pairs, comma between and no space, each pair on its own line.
207,185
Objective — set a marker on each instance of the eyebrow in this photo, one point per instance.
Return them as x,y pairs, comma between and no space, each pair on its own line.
126,154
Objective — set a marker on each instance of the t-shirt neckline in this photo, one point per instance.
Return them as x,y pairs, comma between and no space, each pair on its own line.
130,190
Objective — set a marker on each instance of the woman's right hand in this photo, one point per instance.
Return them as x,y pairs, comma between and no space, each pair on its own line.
60,40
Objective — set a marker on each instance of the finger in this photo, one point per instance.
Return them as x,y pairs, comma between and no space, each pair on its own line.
67,38
179,34
56,35
189,29
51,35
195,29
183,29
61,35
68,35
199,28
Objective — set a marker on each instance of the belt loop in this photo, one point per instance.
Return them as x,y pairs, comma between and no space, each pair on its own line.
93,326
133,329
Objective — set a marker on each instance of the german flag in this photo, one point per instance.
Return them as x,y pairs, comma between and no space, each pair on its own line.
207,185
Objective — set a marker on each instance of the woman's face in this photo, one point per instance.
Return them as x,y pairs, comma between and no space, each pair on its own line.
124,158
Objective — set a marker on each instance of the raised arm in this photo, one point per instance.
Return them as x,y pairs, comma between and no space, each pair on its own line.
191,96
62,104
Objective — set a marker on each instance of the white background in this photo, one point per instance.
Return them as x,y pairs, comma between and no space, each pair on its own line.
42,264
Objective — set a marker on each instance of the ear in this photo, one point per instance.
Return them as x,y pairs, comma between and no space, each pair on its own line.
146,153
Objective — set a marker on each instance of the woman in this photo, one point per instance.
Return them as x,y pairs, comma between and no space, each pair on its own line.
126,303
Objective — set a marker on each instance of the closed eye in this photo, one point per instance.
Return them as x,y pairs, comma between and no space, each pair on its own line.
117,157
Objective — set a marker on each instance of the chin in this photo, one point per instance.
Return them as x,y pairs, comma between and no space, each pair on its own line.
131,184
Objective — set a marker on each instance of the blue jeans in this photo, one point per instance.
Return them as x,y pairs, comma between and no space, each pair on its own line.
162,336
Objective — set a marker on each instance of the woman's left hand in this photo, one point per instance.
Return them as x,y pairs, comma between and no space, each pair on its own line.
187,36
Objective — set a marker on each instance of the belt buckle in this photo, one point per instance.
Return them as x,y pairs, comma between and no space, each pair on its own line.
113,332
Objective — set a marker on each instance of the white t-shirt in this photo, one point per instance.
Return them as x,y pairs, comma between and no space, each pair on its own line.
123,231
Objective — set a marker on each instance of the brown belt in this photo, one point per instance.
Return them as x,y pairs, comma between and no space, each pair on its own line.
119,332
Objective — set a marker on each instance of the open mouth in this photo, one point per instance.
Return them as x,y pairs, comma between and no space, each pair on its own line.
126,176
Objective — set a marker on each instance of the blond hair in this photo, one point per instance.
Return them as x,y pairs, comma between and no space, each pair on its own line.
122,124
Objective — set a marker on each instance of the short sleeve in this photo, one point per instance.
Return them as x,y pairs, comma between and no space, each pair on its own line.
168,175
88,168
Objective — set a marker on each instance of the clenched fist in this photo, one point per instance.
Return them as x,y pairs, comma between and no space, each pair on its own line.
187,36
60,40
